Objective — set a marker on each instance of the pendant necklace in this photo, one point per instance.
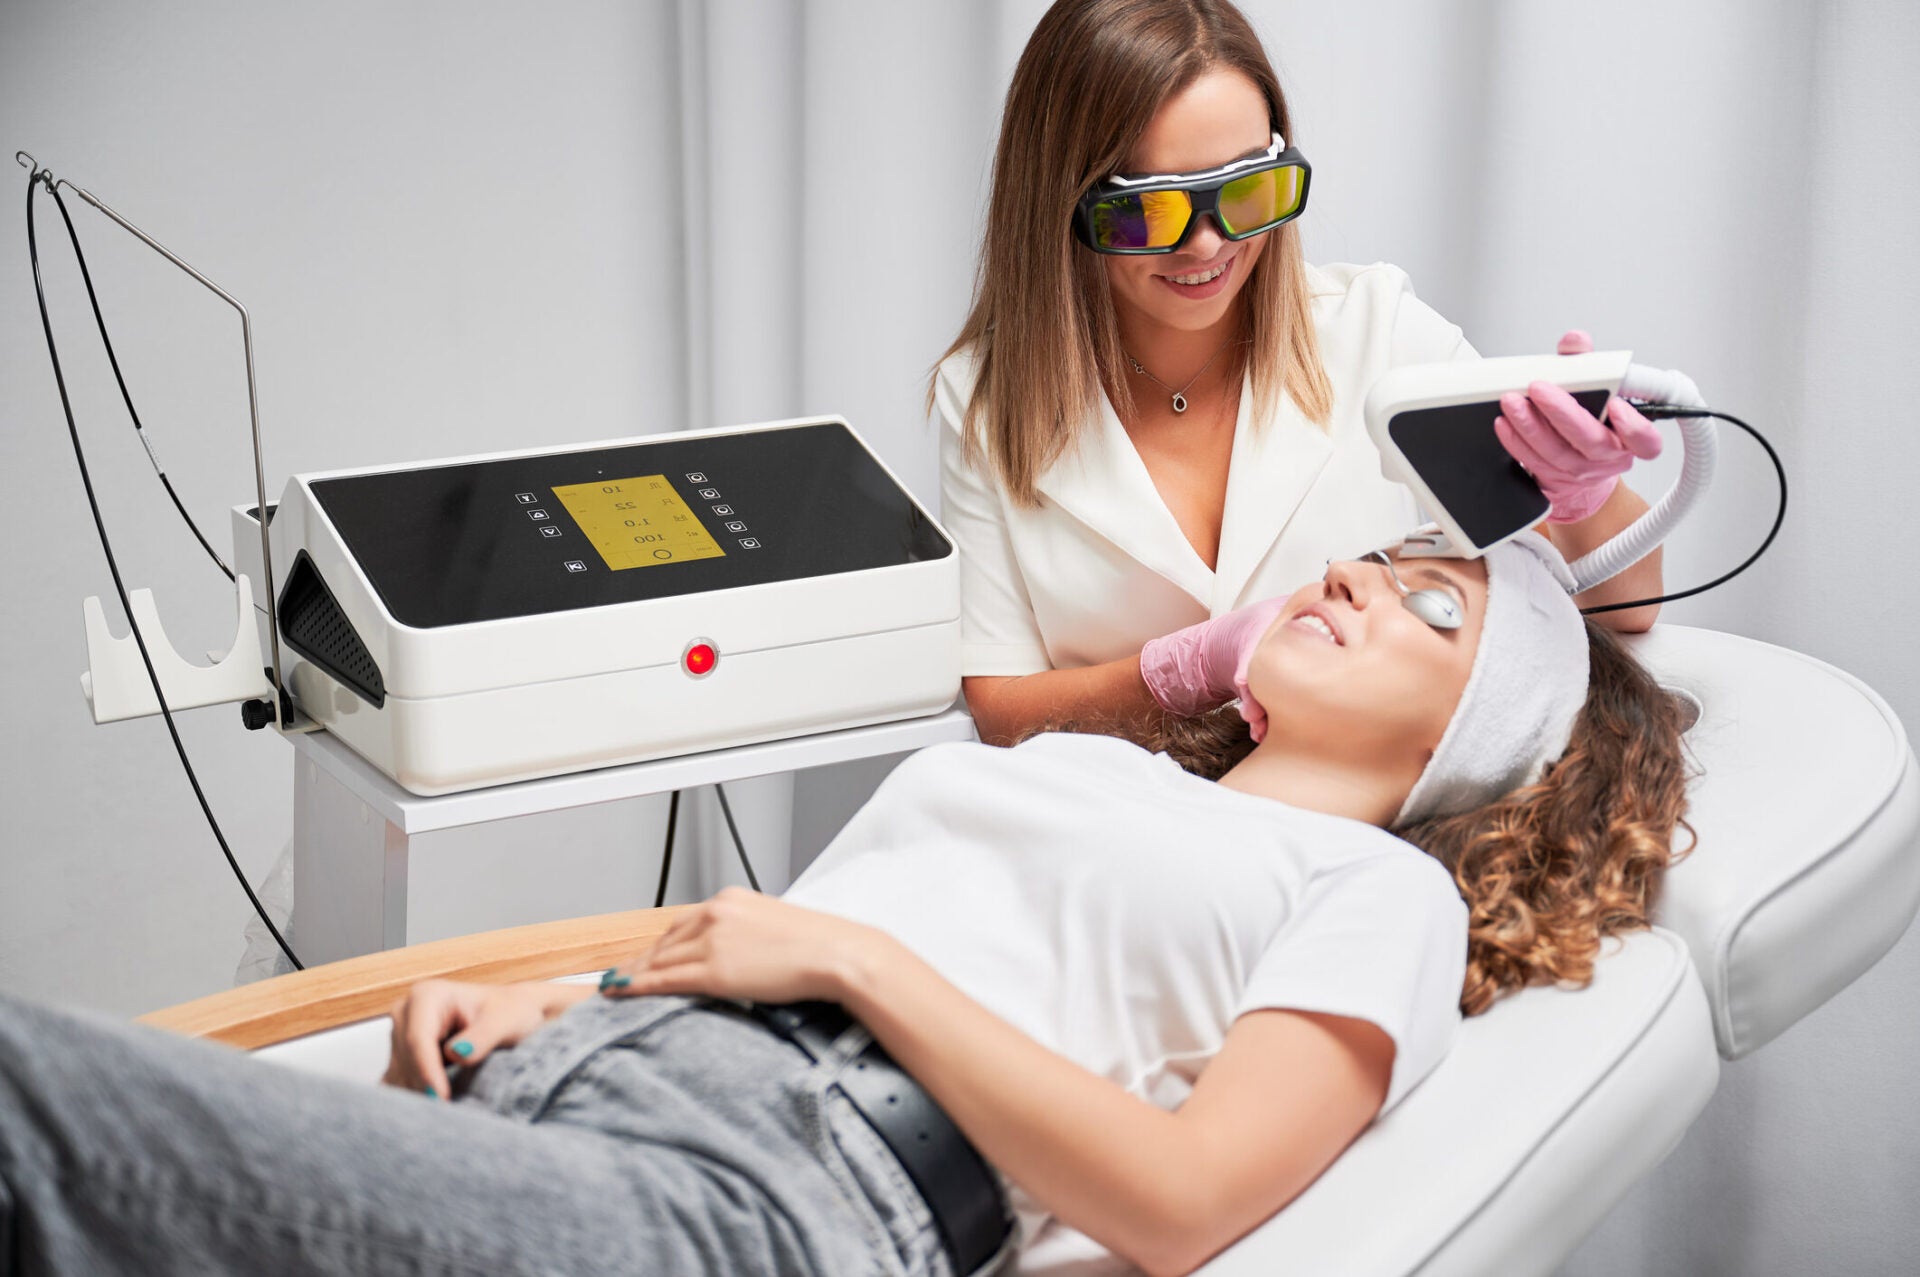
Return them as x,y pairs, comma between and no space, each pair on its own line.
1180,395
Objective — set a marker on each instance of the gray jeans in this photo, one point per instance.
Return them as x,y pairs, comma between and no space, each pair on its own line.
657,1135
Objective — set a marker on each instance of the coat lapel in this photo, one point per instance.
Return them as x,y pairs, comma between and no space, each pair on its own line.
1270,474
1104,484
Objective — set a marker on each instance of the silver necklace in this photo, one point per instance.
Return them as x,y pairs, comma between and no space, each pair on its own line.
1180,395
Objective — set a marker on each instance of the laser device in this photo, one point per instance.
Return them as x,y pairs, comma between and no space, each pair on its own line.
481,620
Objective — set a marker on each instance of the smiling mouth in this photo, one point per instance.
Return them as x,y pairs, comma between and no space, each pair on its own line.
1206,276
1318,624
1205,272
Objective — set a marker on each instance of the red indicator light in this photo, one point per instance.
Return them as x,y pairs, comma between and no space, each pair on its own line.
700,658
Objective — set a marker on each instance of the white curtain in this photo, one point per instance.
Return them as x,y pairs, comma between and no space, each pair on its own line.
464,227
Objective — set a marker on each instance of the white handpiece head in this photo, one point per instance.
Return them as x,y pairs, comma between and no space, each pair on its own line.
1433,424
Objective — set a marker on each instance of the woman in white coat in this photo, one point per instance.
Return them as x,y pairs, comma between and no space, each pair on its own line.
1142,452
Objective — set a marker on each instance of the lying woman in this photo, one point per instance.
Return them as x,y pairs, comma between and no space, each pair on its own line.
1156,992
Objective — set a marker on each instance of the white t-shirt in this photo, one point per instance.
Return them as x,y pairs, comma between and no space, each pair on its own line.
1124,912
1101,566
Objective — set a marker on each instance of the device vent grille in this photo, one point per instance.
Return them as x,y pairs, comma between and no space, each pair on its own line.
314,626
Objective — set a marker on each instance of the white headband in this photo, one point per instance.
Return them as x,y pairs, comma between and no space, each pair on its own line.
1528,684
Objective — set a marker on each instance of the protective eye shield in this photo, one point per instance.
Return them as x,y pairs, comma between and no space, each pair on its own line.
1155,214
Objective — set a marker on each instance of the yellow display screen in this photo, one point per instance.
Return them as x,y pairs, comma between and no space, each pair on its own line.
638,523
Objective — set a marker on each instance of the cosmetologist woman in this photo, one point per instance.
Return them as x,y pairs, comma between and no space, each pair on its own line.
1151,421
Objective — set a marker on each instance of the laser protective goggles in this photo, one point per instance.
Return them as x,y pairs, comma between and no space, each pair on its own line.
1155,214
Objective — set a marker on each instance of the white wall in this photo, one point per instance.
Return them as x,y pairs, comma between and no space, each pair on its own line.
430,212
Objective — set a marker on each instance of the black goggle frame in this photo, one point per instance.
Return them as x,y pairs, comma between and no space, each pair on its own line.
1202,189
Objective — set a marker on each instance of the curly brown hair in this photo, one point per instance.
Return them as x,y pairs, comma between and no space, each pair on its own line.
1552,869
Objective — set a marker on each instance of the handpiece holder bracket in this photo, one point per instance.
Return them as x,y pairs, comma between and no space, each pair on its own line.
116,684
103,657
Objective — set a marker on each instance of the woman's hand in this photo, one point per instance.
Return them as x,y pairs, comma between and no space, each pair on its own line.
442,1022
748,945
1203,666
1569,452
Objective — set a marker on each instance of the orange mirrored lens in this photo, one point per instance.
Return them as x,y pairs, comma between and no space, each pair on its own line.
1152,220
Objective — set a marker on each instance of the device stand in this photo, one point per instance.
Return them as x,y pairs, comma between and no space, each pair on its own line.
376,867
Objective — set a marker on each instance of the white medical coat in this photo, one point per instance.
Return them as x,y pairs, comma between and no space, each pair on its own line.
1101,566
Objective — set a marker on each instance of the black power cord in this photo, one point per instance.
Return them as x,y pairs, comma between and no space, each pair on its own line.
1660,411
35,179
726,809
666,854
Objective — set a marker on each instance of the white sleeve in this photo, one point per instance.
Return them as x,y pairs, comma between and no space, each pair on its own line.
998,632
1383,940
1421,336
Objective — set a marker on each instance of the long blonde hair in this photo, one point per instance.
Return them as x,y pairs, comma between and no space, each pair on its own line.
1042,329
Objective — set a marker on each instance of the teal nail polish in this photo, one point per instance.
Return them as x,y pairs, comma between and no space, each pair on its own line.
435,1094
613,980
463,1048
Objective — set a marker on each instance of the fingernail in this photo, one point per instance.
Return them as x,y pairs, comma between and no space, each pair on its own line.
613,979
432,1093
463,1048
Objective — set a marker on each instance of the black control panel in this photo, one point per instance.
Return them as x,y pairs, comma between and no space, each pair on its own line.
488,540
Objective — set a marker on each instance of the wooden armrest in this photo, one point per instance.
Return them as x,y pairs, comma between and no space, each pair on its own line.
353,989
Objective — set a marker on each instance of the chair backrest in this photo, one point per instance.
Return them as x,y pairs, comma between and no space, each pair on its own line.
1808,810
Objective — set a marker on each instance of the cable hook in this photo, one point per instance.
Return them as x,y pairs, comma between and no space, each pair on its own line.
36,172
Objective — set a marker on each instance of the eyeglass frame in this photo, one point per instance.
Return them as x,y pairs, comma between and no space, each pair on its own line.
1202,189
1410,598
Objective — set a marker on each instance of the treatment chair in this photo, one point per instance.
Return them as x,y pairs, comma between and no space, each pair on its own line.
1551,1104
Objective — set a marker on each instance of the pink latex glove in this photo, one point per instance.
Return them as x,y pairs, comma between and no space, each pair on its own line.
1569,452
1250,709
1203,666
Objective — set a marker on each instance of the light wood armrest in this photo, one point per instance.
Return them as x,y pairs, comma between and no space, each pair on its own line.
354,989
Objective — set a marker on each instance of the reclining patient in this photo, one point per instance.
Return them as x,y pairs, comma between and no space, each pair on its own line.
1158,991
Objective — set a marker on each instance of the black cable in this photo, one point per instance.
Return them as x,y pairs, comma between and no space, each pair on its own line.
34,179
1658,411
727,811
194,527
139,429
666,856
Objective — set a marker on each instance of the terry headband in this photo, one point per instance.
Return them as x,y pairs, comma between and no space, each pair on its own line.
1527,686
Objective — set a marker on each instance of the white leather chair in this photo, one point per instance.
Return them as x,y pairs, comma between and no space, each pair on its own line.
1551,1104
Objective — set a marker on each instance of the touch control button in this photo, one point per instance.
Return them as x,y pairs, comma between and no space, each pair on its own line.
750,543
723,509
538,516
549,531
736,526
694,476
525,498
575,565
709,494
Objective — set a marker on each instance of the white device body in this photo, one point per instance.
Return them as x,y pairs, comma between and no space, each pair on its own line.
1414,387
492,702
